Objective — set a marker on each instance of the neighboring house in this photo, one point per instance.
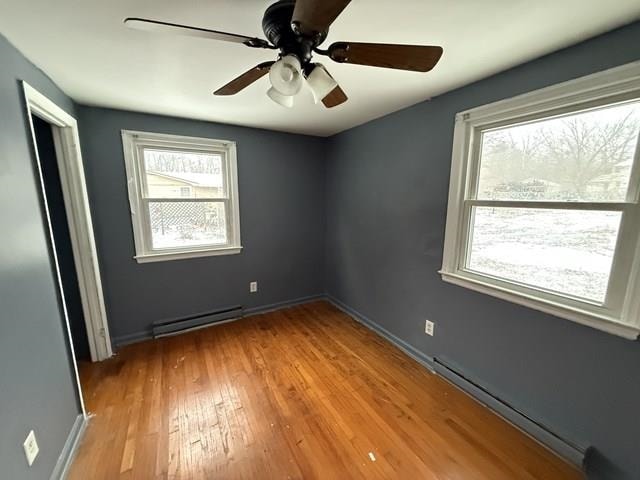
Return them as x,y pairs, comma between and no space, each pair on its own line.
180,220
184,184
613,182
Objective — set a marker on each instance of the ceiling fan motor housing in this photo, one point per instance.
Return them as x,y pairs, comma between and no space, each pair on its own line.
277,27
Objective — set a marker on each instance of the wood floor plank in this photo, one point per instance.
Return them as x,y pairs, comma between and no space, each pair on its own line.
301,393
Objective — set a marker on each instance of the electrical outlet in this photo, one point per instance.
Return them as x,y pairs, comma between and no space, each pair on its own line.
428,327
31,447
253,287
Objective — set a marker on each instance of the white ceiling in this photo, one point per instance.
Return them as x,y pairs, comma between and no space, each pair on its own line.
88,52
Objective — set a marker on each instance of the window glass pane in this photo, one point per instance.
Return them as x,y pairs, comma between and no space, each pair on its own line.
174,174
566,251
584,156
184,224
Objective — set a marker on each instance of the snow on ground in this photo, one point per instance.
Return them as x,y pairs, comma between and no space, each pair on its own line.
563,251
173,238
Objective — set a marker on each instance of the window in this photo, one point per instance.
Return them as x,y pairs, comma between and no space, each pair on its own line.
183,195
543,202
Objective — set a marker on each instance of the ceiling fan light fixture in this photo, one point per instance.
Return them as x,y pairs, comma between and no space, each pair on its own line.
320,83
280,99
286,75
296,28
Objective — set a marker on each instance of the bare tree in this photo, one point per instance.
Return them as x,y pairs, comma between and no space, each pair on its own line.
178,162
580,151
570,152
510,158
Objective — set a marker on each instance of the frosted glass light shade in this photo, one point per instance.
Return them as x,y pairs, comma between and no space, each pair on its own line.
284,100
286,75
320,83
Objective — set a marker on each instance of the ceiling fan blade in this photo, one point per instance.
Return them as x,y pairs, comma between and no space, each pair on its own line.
336,97
174,28
316,16
244,80
415,58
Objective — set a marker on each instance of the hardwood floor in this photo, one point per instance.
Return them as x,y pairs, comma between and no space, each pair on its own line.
305,392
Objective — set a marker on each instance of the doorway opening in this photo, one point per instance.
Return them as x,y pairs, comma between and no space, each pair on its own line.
65,201
45,145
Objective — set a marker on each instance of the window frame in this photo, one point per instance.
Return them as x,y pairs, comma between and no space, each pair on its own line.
620,314
134,143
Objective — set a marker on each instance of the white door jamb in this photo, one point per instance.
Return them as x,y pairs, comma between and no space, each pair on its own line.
76,200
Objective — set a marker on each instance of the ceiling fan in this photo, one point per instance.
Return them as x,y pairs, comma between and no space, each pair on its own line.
297,29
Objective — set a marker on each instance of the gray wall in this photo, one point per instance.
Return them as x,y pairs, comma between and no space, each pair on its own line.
387,184
37,389
281,185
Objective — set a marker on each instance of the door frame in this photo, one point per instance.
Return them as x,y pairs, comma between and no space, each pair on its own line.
76,202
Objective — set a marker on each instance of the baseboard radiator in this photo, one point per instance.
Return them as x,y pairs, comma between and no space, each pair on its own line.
165,328
576,454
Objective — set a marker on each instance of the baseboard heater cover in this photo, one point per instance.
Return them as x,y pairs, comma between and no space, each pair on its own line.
165,328
576,454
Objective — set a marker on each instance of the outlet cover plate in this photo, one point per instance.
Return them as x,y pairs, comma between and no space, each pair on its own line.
429,327
31,448
253,287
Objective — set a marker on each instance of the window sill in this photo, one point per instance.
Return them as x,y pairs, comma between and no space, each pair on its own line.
166,256
583,317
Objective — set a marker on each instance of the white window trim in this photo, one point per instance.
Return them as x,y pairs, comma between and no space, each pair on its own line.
617,84
130,140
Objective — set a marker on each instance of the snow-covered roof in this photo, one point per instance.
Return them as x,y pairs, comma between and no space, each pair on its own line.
617,176
540,181
194,179
625,163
